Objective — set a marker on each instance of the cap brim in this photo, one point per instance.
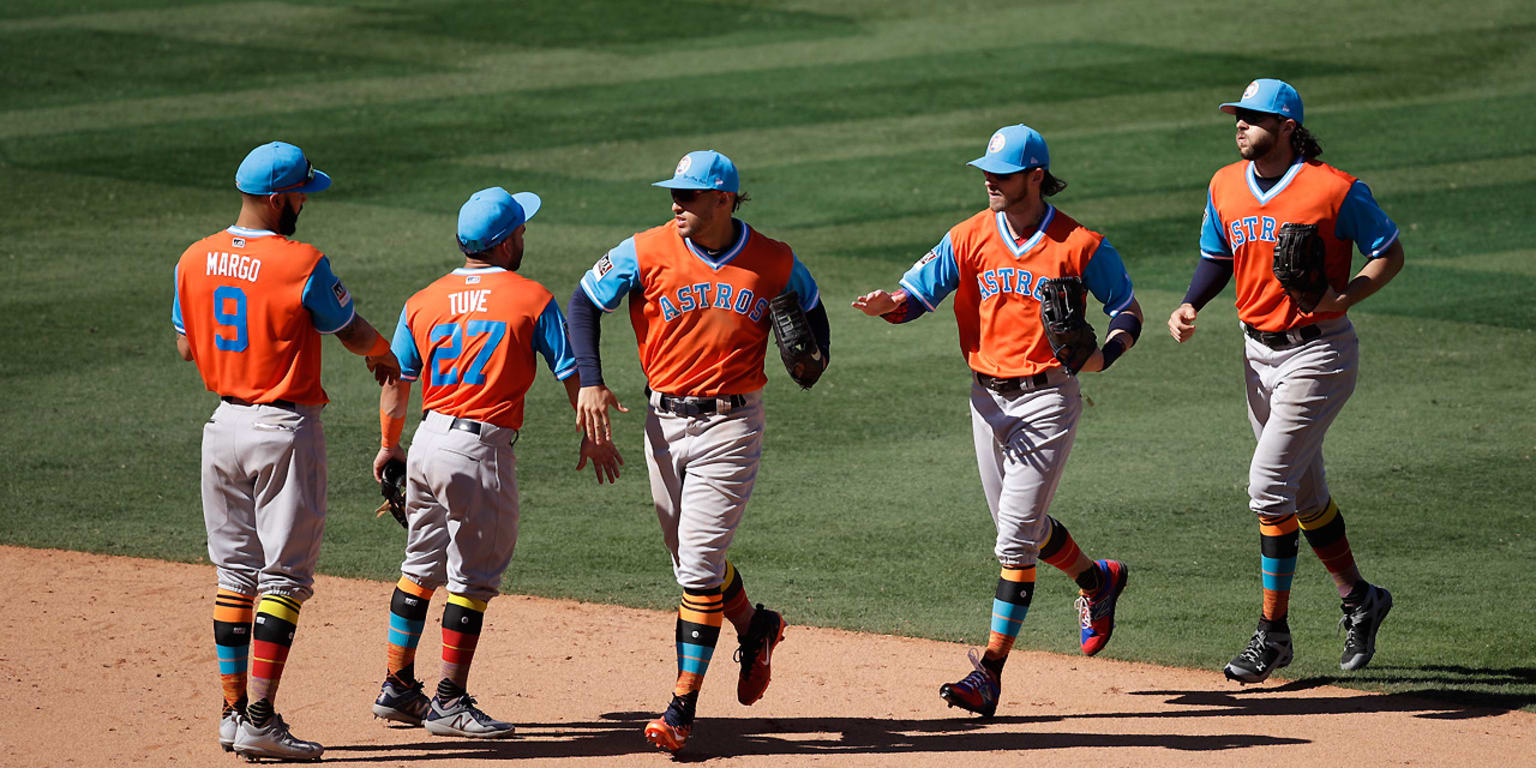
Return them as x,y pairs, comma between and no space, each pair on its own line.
529,202
679,182
320,182
994,164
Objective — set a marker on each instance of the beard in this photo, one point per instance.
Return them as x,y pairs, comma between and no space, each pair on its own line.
1258,148
288,220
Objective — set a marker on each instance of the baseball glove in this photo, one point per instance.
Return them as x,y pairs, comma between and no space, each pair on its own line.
1063,303
797,345
393,488
1299,255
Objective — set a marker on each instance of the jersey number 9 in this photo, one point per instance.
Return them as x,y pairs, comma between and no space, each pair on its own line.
223,296
454,334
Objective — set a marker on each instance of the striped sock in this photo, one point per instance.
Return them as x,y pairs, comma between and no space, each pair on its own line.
1061,551
1324,529
272,635
232,614
407,619
1015,588
738,609
699,617
462,620
1278,543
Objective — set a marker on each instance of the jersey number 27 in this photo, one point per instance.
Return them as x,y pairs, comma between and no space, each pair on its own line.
454,333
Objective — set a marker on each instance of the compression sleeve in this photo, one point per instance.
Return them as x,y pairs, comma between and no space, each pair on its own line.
584,324
1211,276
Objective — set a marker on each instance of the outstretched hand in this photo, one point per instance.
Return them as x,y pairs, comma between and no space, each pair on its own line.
605,460
592,404
876,303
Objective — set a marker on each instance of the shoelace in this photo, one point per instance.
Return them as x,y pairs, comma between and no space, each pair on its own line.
980,679
1254,653
1084,611
751,646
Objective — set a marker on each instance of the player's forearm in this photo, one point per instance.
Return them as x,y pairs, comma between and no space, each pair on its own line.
183,347
573,387
360,338
1123,332
1211,276
1374,275
908,308
583,321
821,328
394,399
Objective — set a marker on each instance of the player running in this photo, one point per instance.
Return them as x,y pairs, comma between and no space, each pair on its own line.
249,309
1300,367
699,287
1024,403
471,335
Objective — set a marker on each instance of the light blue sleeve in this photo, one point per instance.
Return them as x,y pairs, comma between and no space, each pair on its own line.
550,339
801,282
934,276
613,276
1213,241
1362,222
1106,277
176,322
404,347
327,299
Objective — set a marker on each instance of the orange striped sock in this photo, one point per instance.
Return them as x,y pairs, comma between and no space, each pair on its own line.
1061,551
1278,544
1015,589
232,614
407,620
1324,529
699,617
277,619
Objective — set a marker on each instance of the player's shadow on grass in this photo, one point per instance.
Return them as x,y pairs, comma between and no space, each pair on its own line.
619,733
1436,700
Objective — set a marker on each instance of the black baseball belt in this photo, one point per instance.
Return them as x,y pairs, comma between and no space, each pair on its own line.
470,425
287,405
696,406
1283,339
1013,384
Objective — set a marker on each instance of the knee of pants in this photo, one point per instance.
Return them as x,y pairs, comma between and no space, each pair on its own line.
300,589
699,575
238,580
1269,501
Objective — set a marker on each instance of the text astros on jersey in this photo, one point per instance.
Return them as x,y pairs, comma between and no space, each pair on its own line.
701,320
1242,223
996,281
242,279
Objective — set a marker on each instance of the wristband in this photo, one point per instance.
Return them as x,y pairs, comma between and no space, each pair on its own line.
390,428
380,346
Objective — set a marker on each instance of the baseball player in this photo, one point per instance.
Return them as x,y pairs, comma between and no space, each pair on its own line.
474,333
1025,403
1299,366
249,309
699,287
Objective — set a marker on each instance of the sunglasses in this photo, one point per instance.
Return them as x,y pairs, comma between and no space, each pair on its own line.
1253,118
685,196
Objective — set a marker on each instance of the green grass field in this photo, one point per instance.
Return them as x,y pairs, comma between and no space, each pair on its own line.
122,121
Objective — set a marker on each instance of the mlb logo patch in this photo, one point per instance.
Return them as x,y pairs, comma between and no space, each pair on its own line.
928,257
342,297
603,265
472,280
238,242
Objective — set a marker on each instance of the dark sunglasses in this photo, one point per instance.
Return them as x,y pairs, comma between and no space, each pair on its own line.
682,196
1253,118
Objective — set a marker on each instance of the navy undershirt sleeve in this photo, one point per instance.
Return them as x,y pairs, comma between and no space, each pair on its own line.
910,310
1211,276
820,327
583,320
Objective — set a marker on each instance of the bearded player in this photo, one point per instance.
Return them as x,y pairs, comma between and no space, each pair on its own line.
1025,403
1300,366
699,288
250,308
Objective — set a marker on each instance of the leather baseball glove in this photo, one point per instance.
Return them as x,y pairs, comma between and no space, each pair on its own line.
393,488
1063,303
797,345
1299,255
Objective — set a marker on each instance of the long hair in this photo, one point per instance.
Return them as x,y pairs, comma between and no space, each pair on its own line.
1050,185
1305,144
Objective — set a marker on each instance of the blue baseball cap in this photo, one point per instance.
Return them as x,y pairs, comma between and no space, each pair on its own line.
1014,148
491,215
703,169
1275,97
278,167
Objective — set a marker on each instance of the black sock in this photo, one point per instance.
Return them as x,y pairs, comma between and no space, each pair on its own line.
1357,594
995,666
448,690
405,678
1091,579
259,712
1275,625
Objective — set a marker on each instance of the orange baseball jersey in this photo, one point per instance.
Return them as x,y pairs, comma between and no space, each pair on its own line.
1243,221
253,304
996,277
471,336
701,319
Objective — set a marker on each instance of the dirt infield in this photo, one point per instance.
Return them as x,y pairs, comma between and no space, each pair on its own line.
109,661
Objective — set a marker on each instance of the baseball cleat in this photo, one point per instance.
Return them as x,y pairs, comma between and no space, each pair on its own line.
401,703
670,731
1361,624
1266,652
977,692
229,725
756,654
273,741
1096,614
460,717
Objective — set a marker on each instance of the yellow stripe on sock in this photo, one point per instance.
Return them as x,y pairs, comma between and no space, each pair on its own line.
468,602
283,608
